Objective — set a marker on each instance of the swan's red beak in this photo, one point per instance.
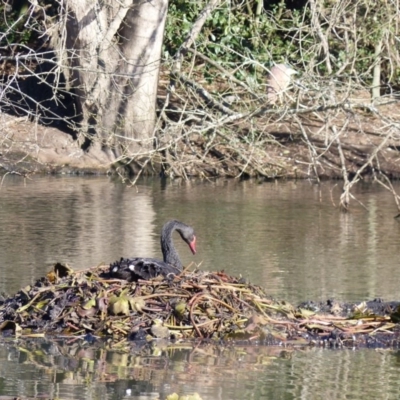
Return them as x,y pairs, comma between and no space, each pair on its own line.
192,245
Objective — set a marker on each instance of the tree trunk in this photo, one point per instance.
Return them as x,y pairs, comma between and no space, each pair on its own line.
113,49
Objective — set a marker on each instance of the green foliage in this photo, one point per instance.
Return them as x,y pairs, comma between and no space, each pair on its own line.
12,23
22,24
239,37
234,34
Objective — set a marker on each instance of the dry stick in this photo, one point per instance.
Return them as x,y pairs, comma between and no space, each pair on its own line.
324,42
223,70
58,40
191,37
346,106
312,150
244,157
188,327
344,198
233,116
133,183
203,93
357,176
376,80
389,187
237,116
149,153
228,140
194,301
194,32
343,105
244,167
38,104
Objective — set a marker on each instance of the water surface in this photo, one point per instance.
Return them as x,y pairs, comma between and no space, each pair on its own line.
288,237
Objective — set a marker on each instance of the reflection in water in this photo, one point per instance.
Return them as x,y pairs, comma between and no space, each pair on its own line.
56,369
288,237
82,222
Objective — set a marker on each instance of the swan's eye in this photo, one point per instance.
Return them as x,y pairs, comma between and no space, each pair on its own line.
115,269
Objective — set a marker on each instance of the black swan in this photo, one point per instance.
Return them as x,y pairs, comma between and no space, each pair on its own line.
132,269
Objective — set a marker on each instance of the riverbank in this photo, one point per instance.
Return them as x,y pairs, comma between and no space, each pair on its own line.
285,150
28,147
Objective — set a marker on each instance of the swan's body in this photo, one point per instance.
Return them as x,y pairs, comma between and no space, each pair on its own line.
132,269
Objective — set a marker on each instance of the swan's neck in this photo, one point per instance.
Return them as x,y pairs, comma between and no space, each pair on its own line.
170,255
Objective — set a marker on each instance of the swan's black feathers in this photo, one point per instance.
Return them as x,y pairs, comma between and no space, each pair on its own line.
132,269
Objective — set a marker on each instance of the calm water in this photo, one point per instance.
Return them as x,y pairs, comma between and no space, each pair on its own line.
288,237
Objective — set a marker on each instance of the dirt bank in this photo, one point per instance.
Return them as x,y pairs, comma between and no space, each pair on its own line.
282,150
28,147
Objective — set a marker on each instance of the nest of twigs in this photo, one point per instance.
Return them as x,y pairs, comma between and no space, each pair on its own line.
205,305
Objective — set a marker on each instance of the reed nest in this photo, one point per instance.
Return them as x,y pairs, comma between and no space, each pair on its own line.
193,305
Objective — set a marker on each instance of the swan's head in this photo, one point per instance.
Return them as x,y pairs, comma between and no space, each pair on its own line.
185,231
192,244
189,237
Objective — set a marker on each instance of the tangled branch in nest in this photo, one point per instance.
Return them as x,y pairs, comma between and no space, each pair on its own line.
205,305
